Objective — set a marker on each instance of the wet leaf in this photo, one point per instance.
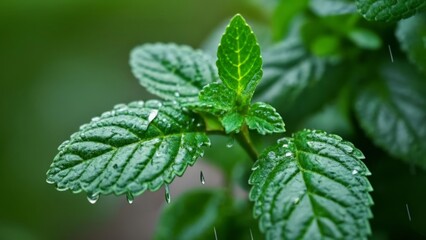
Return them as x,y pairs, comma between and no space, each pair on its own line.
264,118
389,10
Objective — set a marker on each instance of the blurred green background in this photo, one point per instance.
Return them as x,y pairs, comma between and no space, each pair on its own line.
61,63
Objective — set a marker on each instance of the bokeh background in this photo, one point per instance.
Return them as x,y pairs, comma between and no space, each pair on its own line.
61,63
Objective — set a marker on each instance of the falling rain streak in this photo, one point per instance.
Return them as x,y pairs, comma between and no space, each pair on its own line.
202,179
215,234
408,212
251,235
167,193
390,52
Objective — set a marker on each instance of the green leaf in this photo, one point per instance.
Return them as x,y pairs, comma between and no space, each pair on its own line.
264,118
288,69
239,61
312,186
172,72
128,150
392,110
194,216
332,7
232,122
283,16
214,98
389,10
365,38
411,34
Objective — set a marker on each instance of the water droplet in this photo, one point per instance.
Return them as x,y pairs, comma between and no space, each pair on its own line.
271,155
296,200
354,172
215,233
230,142
177,94
288,154
92,198
167,193
130,197
199,125
152,115
202,180
251,235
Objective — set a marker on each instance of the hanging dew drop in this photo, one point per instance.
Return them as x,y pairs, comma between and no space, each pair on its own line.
230,142
92,198
130,197
152,115
167,193
202,179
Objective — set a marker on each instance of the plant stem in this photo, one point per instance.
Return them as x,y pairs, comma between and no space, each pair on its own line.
244,140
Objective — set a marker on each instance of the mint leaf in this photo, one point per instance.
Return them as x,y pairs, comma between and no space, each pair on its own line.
312,186
232,122
288,70
364,38
194,215
332,7
411,34
388,10
264,118
392,110
172,72
128,150
239,62
214,98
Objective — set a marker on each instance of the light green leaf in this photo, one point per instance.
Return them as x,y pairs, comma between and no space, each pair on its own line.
214,98
283,16
389,10
172,72
264,118
312,186
232,122
411,34
239,61
332,7
194,215
392,110
364,38
128,150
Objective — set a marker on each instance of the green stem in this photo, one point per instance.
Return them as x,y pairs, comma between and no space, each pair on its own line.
244,140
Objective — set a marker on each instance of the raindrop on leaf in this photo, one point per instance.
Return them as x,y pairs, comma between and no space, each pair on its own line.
152,115
92,198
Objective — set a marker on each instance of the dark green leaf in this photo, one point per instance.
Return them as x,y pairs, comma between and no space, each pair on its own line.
392,110
194,216
172,72
264,118
388,10
312,186
332,7
128,150
239,61
411,34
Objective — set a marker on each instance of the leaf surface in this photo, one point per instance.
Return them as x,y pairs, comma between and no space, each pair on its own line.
312,186
239,62
332,7
411,34
389,10
264,118
392,110
133,148
172,72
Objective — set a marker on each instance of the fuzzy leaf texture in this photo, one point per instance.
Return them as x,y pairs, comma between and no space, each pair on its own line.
239,62
133,148
411,34
392,110
172,72
389,10
312,186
